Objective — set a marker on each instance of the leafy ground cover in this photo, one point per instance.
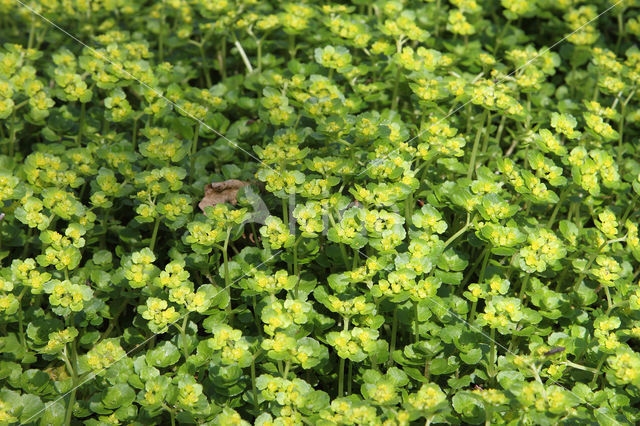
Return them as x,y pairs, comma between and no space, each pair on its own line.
391,212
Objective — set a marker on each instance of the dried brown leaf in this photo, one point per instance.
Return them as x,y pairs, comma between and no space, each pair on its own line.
221,192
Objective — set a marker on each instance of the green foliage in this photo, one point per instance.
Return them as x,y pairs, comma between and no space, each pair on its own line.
439,222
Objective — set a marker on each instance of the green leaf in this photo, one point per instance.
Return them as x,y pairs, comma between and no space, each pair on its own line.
163,355
120,395
472,357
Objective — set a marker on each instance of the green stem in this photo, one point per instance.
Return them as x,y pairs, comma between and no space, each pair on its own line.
485,261
341,366
205,65
296,268
74,378
416,336
485,143
630,208
476,142
500,130
161,35
254,388
396,87
154,234
341,378
83,107
472,314
285,213
32,33
349,377
598,368
457,234
343,250
437,18
194,150
12,137
103,236
183,333
227,277
492,355
23,340
292,46
408,210
523,287
222,53
580,367
394,332
134,134
609,303
563,196
620,29
259,47
287,365
586,269
243,54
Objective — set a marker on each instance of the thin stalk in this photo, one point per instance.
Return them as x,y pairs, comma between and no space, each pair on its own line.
194,150
343,250
396,87
492,355
437,18
134,133
259,46
296,267
243,54
341,366
563,196
292,46
154,235
161,35
474,152
485,143
457,234
12,137
630,208
500,130
227,277
408,210
32,33
83,107
609,303
349,377
598,368
427,370
205,64
183,333
620,29
341,378
254,388
74,378
523,287
485,261
285,212
416,333
586,269
222,53
23,341
472,314
394,332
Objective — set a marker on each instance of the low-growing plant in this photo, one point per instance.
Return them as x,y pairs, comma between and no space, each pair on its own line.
389,212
